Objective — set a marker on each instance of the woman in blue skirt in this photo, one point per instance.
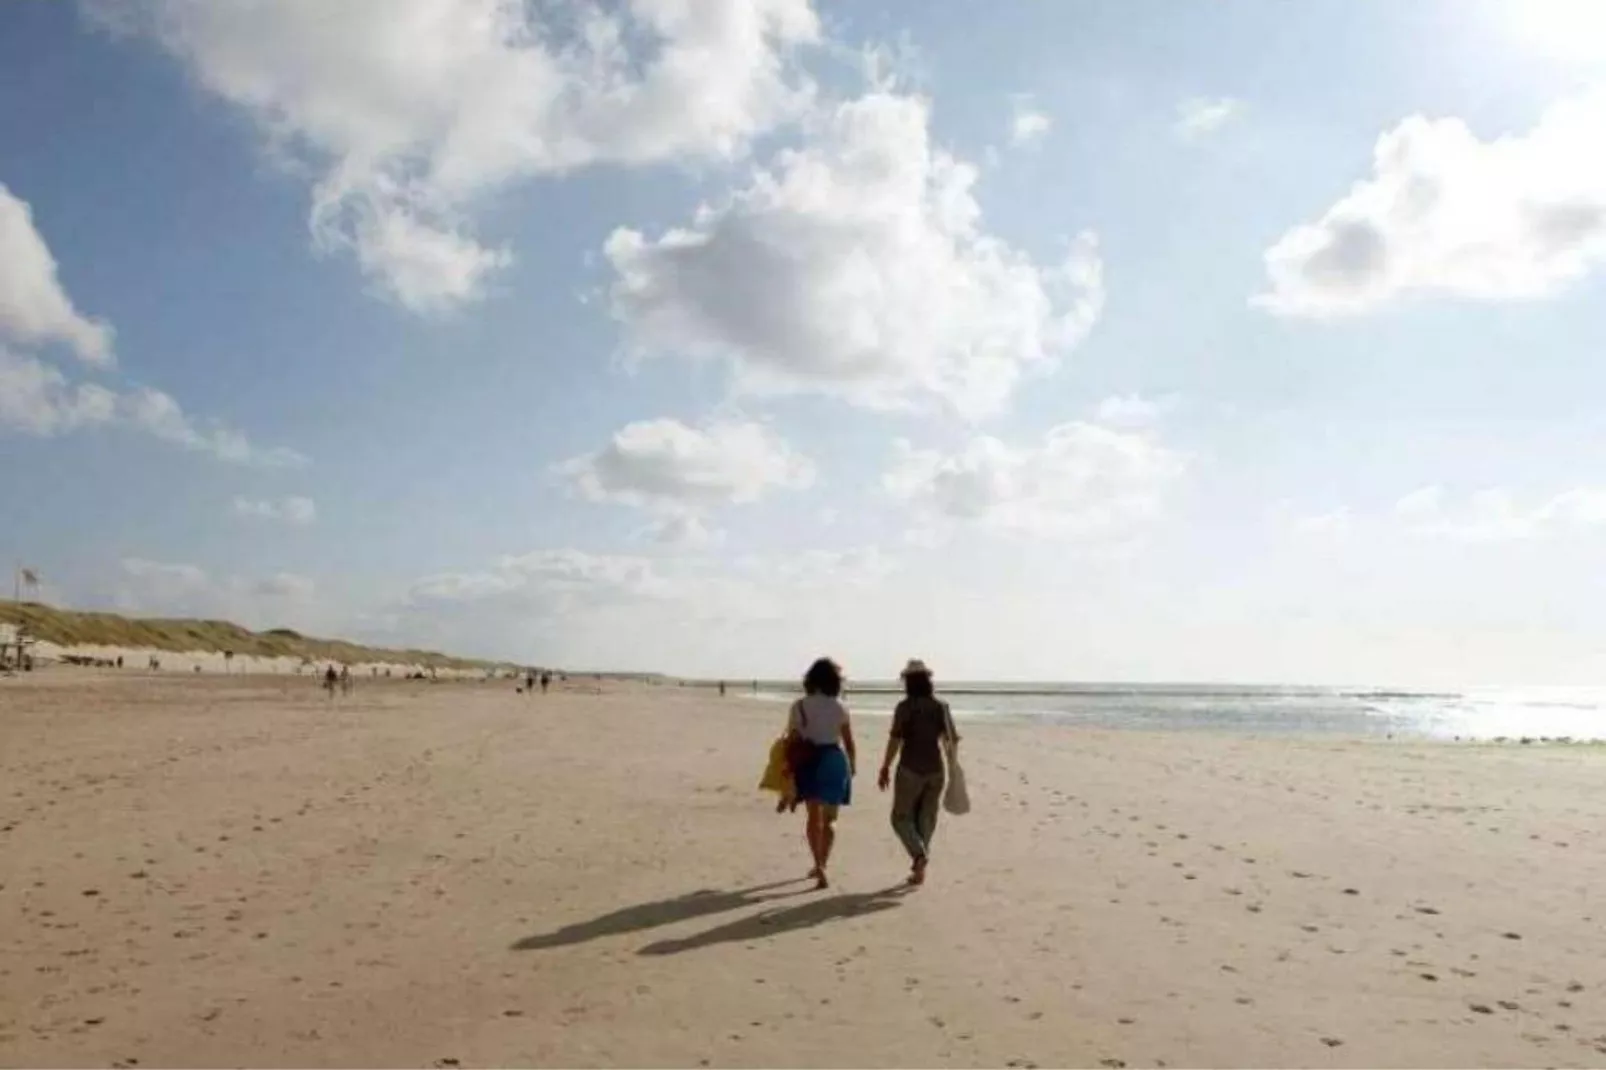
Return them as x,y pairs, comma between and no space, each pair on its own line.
824,772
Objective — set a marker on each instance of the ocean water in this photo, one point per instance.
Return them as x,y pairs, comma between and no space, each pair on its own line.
1539,713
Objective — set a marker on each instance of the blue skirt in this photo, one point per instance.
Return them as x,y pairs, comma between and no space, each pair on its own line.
825,777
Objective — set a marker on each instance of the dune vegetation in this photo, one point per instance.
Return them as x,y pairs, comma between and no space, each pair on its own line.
70,628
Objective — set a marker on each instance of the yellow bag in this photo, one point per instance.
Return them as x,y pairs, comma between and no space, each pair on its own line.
777,776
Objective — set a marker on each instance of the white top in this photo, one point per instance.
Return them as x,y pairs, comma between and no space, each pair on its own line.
822,720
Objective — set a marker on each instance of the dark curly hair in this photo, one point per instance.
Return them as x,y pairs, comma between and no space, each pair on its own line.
919,685
823,678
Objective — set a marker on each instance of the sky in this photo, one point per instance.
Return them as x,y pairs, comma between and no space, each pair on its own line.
1099,340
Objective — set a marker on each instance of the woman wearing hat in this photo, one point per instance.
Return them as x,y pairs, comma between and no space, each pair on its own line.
921,726
824,772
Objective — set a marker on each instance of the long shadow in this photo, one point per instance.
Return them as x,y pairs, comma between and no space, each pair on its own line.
696,904
784,920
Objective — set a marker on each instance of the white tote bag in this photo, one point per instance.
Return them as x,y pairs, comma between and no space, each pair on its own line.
955,797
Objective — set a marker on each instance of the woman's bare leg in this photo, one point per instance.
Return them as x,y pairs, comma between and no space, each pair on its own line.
812,831
827,834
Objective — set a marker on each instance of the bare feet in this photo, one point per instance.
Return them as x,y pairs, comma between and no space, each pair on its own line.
820,881
814,873
917,876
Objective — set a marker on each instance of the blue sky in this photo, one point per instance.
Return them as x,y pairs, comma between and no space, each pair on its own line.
1097,340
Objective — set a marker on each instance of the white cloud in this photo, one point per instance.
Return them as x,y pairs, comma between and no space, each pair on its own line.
296,511
34,309
413,112
546,574
1335,522
37,399
1199,117
574,604
669,466
1027,124
160,415
1133,410
1425,501
285,585
159,588
857,265
1445,213
1494,515
166,578
1083,479
686,531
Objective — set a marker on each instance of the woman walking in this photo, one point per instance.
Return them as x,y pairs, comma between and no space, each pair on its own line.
822,734
922,727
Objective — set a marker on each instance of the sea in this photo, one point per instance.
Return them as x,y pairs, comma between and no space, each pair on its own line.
1548,714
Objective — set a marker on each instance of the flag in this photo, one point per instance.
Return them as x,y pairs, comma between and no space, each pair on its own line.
30,578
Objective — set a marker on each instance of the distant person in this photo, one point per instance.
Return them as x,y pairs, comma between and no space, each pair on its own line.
921,726
119,661
331,680
546,682
529,682
345,679
722,689
824,759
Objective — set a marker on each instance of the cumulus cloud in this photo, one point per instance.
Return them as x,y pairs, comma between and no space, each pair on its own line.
1199,117
857,265
412,112
1447,213
1082,479
1028,124
1494,514
296,511
670,466
34,309
37,399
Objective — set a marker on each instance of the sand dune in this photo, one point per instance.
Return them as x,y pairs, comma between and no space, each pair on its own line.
209,871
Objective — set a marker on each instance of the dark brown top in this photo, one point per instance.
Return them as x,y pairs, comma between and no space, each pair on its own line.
922,724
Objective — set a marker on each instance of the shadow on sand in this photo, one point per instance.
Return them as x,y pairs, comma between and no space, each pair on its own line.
784,920
696,904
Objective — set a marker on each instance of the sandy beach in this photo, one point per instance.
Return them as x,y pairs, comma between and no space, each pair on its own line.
208,871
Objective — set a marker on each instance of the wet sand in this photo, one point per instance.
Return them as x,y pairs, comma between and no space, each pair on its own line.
204,872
